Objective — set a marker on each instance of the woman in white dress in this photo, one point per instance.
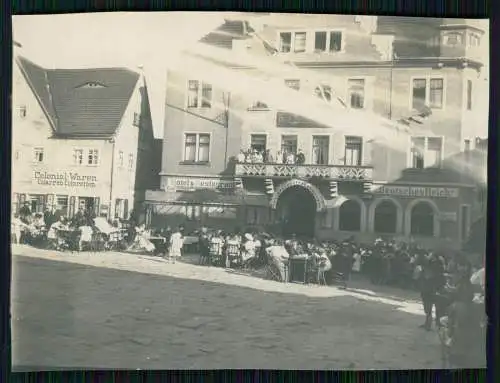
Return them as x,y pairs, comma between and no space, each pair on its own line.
16,228
176,243
248,252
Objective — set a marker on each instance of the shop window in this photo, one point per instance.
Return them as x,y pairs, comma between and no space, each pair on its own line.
252,216
422,220
356,93
38,155
93,157
37,203
196,147
62,204
353,150
193,212
385,219
320,150
350,216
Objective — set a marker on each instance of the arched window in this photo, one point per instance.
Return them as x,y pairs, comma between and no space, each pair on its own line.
422,220
350,216
386,216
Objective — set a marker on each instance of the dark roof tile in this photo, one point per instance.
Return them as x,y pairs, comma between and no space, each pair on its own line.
78,110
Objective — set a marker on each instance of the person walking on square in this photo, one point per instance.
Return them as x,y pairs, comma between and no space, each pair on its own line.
176,243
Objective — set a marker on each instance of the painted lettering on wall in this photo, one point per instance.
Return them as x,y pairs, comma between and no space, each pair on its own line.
65,179
416,191
191,184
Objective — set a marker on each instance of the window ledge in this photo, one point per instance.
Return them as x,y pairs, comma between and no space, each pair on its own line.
202,163
258,109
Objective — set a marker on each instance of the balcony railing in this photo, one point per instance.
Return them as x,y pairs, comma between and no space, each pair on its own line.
334,172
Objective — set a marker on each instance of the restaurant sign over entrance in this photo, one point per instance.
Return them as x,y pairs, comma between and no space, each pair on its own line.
192,184
416,191
66,179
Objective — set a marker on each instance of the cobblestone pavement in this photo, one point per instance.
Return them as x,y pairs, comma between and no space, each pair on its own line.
113,310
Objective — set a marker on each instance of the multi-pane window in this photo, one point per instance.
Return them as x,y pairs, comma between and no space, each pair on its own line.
258,142
293,84
196,147
285,42
327,41
299,42
289,144
120,158
436,93
474,40
199,94
417,152
320,150
426,92
469,95
324,92
38,155
93,157
426,152
78,156
353,150
131,161
356,89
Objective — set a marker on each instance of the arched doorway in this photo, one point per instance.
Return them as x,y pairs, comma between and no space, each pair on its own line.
385,218
296,209
350,216
422,220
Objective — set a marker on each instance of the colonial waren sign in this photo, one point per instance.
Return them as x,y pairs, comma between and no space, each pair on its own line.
67,179
318,197
416,191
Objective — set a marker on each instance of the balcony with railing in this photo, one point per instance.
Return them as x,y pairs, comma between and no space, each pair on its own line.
329,172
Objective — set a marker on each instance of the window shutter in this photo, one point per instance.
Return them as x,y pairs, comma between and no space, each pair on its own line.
71,207
97,206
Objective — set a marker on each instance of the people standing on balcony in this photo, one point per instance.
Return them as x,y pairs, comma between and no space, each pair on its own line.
290,158
268,157
258,157
279,157
301,158
241,158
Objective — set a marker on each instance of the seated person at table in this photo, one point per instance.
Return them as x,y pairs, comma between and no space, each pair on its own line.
142,241
85,236
38,222
55,240
248,252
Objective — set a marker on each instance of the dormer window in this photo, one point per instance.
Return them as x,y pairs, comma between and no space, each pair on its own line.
453,39
91,85
328,41
474,40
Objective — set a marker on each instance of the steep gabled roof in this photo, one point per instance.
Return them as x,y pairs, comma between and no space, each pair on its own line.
81,102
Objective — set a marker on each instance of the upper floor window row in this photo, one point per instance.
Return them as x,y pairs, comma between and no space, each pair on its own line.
88,157
199,94
427,92
297,42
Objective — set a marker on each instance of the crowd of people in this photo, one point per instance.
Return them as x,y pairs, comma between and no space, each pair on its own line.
255,156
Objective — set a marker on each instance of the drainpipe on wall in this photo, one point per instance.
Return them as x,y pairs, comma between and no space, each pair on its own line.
226,123
113,141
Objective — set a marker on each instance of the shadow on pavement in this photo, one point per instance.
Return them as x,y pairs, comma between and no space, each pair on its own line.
88,317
